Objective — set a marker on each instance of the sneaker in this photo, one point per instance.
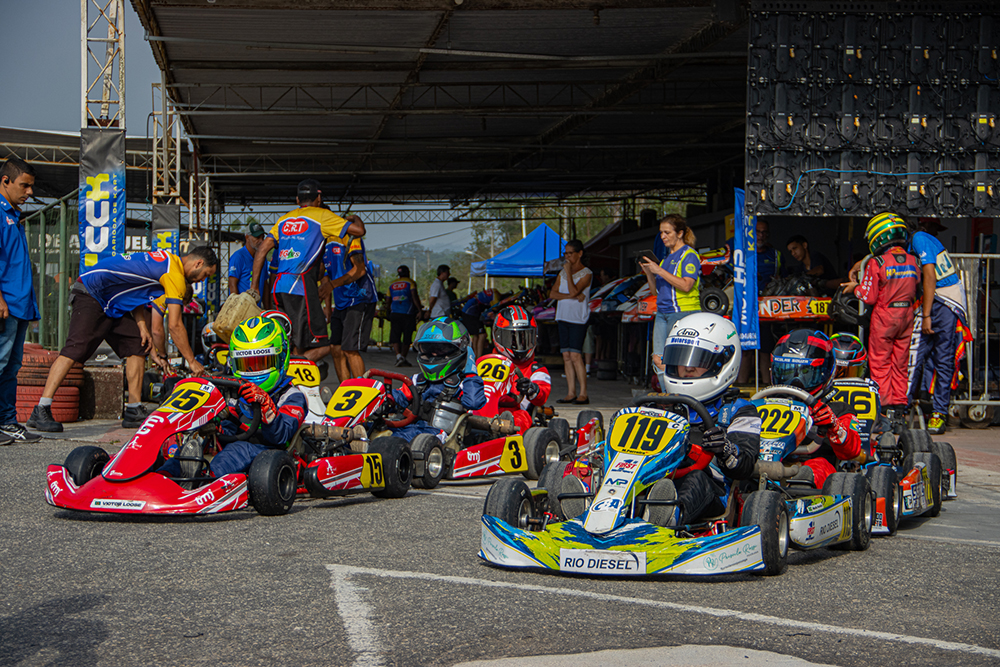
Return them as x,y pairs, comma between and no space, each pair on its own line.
935,425
403,362
41,420
5,440
134,417
17,432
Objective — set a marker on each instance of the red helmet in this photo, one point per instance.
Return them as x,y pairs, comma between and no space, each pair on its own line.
281,318
514,333
804,358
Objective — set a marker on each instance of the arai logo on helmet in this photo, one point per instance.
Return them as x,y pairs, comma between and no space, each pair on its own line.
687,333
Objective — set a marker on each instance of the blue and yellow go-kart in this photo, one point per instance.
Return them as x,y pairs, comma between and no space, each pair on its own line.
615,536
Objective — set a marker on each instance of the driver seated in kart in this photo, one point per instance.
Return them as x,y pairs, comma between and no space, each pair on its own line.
447,371
514,336
805,359
701,359
259,352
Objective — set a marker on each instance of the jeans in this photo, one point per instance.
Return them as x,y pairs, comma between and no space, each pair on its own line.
661,327
11,353
939,349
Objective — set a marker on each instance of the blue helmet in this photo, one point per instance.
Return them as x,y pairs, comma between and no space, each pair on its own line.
442,348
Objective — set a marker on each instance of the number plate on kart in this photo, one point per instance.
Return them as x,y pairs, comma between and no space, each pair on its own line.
188,395
304,373
780,420
642,434
596,561
861,400
493,369
347,400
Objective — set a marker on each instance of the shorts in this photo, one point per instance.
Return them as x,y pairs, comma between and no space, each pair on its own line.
89,325
571,336
402,326
473,324
308,320
351,328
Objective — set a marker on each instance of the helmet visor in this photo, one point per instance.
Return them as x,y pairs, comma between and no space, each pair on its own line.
431,351
805,373
682,355
516,340
254,362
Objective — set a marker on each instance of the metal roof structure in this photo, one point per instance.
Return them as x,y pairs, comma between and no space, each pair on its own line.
392,100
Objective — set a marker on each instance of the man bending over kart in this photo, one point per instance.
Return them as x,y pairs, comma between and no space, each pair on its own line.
447,368
805,359
259,351
514,335
701,359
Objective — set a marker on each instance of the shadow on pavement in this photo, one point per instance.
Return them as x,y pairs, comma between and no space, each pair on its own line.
49,629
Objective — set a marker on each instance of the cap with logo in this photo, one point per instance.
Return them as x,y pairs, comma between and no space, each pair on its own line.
254,229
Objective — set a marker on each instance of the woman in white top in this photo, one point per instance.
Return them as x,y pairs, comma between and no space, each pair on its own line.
572,293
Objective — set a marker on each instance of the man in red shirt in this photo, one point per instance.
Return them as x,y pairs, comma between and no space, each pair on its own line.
514,335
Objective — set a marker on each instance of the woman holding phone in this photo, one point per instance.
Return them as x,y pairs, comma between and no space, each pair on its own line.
675,281
571,291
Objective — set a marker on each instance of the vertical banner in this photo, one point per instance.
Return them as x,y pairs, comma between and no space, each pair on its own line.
102,195
166,231
745,276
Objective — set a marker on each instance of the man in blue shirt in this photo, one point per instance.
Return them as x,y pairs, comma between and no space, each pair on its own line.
404,304
18,306
241,262
349,278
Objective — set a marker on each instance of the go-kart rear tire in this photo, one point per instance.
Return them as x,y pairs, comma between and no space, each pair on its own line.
573,507
855,486
586,415
914,440
272,483
884,484
561,428
541,446
397,466
434,460
933,464
85,463
509,499
946,453
767,510
551,480
662,515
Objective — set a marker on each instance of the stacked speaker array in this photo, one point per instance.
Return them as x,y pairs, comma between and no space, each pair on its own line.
874,106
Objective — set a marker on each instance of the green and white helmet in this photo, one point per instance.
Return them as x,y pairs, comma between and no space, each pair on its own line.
442,348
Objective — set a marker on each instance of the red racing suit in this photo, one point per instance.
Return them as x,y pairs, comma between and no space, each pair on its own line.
842,443
890,283
519,406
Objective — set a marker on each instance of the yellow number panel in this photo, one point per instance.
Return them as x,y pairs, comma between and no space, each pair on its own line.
513,458
371,472
347,400
303,373
637,433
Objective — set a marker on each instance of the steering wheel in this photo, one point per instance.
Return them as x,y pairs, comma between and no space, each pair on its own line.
226,383
699,456
410,413
789,391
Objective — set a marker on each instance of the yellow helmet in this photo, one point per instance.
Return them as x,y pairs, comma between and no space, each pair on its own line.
259,352
885,230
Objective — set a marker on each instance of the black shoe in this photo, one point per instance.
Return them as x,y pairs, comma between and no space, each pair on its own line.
134,417
17,432
41,420
5,440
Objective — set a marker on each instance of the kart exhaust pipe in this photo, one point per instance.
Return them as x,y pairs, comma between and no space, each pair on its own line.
356,436
776,469
495,426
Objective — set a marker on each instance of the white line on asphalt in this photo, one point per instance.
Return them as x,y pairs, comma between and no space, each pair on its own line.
357,620
449,493
348,570
949,539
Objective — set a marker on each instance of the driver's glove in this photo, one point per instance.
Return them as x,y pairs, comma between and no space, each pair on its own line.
822,415
527,388
251,393
715,441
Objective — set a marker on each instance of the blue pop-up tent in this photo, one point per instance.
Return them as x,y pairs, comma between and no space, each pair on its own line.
526,258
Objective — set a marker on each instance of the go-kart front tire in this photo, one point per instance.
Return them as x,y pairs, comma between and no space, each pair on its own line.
933,464
551,480
85,463
884,484
509,499
434,460
914,440
946,453
397,466
584,417
561,428
854,485
662,515
767,510
541,446
271,482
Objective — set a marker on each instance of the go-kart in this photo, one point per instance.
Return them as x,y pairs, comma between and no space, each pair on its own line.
840,514
623,532
908,474
128,483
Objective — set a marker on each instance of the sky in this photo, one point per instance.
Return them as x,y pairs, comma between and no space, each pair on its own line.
40,80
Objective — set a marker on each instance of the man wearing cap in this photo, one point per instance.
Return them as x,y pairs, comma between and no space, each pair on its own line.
301,236
241,263
404,304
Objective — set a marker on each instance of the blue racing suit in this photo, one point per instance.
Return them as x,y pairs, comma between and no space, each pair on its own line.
467,387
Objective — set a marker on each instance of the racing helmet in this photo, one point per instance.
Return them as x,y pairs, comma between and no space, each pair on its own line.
259,352
701,341
515,333
281,318
803,358
884,231
850,355
208,336
442,348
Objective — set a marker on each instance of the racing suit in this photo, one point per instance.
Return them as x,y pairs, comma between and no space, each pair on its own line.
842,442
890,283
291,403
706,492
519,405
466,387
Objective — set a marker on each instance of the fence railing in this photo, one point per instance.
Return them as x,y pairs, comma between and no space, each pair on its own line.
979,276
54,249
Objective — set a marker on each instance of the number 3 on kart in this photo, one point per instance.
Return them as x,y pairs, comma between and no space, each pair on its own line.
512,459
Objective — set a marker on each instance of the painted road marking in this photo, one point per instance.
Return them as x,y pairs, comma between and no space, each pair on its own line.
356,613
949,539
438,494
362,640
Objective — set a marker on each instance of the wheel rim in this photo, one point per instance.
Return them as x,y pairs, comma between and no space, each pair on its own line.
551,452
286,483
435,462
782,534
897,501
977,413
869,511
523,514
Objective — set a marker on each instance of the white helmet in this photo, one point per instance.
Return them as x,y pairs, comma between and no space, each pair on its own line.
702,356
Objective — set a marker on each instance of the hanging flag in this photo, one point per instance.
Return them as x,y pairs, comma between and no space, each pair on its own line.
102,195
745,276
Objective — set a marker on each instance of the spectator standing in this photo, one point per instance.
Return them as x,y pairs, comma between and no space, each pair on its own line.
572,293
241,262
452,286
300,236
404,304
473,307
811,263
354,299
438,301
18,305
112,301
675,282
